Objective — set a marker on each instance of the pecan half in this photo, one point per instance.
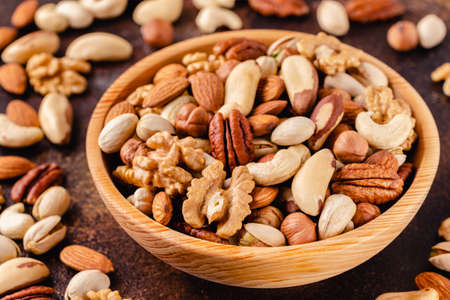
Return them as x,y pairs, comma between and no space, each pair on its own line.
36,181
33,292
240,49
280,8
365,11
405,171
365,182
231,140
242,137
385,158
217,138
202,234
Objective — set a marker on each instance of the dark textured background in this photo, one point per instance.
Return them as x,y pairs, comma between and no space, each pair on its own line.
140,275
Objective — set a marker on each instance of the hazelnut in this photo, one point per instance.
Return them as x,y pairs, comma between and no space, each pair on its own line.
269,215
192,120
298,229
403,36
365,212
350,147
157,33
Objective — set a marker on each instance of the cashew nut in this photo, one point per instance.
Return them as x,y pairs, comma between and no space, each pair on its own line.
105,9
77,15
240,88
283,166
16,136
14,223
384,136
371,75
99,46
344,82
47,18
210,18
199,4
169,10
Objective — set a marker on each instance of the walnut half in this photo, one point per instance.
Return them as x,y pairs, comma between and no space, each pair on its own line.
49,74
229,207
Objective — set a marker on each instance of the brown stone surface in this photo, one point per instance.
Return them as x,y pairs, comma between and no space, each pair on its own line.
140,275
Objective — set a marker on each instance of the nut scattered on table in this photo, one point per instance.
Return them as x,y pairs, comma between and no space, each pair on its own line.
157,33
282,9
21,272
83,258
443,73
403,36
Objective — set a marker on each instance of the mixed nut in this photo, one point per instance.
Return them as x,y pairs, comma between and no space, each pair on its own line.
209,148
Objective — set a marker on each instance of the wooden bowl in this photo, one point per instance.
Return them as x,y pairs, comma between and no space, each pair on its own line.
252,266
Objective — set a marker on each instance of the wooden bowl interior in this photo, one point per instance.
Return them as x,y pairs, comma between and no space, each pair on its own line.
249,266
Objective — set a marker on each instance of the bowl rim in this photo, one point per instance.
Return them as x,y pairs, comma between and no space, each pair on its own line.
135,223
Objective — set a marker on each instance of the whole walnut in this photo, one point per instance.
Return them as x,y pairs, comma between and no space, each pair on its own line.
192,120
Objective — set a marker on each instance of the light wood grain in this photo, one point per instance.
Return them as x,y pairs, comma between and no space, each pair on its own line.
261,267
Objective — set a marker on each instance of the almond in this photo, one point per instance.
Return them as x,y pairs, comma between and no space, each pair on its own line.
82,258
24,13
7,35
263,196
263,124
13,78
22,113
271,108
169,72
123,107
165,91
435,281
14,166
208,90
270,88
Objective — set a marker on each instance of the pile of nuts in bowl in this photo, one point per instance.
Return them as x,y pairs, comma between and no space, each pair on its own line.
263,146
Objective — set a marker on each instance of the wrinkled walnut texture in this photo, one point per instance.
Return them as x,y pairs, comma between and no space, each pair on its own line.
229,207
49,74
